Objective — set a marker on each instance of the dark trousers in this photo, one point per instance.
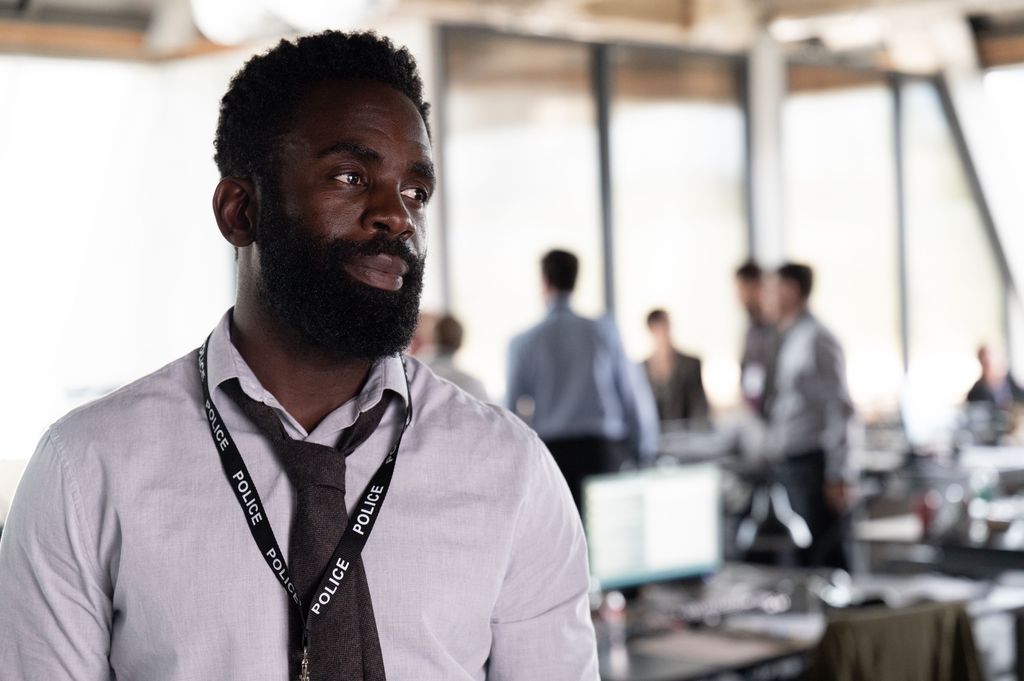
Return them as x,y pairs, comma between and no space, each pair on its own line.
582,456
803,476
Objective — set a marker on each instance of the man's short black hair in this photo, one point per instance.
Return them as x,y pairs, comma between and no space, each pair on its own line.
749,271
656,316
801,275
560,269
264,94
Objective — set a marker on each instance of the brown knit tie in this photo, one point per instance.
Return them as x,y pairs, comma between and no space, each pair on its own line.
343,641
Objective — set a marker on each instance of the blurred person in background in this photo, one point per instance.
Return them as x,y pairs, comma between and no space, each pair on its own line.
809,414
759,341
675,378
421,345
995,385
993,408
589,405
446,342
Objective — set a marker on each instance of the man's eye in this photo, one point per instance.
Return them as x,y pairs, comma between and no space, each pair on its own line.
416,194
349,178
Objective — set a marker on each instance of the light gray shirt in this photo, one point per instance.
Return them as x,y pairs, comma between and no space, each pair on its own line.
127,556
576,372
811,409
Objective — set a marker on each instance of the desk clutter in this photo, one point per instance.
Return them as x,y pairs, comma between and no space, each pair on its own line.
926,599
760,622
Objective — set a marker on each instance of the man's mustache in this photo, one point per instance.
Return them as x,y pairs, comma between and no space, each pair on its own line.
379,245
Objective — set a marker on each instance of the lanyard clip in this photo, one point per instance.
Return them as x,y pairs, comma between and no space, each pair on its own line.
304,672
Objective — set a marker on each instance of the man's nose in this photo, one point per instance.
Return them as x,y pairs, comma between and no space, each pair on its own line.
387,212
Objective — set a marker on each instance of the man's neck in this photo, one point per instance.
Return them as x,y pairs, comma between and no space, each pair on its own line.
664,348
308,383
554,298
788,319
995,381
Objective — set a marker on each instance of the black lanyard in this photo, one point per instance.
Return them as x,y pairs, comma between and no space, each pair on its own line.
360,524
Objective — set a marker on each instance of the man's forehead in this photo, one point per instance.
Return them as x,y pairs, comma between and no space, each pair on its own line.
352,109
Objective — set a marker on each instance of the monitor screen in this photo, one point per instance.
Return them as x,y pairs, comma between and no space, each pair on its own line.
653,525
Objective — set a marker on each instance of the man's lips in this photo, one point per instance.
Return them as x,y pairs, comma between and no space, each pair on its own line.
380,271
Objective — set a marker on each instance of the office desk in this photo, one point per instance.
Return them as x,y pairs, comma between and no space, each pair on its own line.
706,656
902,474
900,539
778,647
697,655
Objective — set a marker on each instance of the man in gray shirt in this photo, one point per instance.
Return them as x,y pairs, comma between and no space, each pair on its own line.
196,525
809,416
759,341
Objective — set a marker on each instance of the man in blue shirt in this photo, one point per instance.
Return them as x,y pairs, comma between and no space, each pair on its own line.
591,407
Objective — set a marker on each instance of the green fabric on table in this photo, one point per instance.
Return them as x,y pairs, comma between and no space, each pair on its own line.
932,642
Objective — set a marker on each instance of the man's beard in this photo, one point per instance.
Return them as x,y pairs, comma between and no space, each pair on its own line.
304,283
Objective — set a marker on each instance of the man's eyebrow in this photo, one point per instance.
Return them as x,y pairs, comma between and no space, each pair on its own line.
365,153
360,151
424,168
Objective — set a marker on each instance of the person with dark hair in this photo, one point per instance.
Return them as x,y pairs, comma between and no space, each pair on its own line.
218,518
994,401
759,340
750,272
675,378
447,341
809,414
559,270
798,278
591,407
995,386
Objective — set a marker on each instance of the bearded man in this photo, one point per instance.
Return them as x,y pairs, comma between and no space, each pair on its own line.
295,499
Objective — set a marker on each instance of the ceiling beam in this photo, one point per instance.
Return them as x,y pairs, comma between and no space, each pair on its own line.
1001,50
73,40
70,40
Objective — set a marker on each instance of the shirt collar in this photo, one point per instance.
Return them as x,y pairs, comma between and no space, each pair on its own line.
224,363
804,317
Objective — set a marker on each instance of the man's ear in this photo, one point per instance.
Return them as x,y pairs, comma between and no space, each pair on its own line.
235,206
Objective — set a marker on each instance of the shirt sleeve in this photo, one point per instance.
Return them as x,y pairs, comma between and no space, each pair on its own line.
541,626
639,409
56,611
839,411
701,408
648,425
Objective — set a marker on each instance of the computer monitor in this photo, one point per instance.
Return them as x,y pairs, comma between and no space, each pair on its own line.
653,525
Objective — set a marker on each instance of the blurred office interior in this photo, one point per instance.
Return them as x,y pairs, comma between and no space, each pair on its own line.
665,143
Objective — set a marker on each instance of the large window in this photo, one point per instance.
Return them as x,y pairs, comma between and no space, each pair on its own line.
841,218
520,154
956,291
112,263
1004,90
677,154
